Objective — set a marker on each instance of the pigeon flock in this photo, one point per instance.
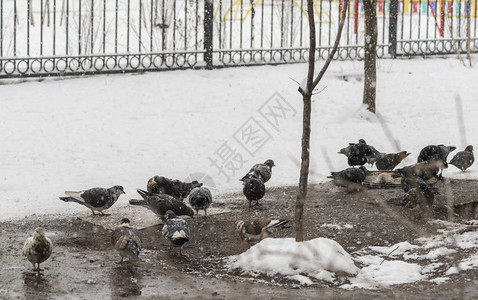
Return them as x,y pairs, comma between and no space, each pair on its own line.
415,180
165,197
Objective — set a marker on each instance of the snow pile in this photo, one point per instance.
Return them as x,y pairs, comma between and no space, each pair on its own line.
318,258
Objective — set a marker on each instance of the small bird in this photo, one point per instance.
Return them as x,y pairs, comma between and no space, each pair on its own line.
425,169
97,199
126,241
37,248
355,175
409,182
436,151
200,198
261,171
176,231
161,203
256,230
172,187
254,188
387,162
463,159
359,153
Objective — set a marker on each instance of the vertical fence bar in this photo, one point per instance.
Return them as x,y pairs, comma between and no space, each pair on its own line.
139,25
348,25
28,27
459,20
15,28
262,25
419,17
320,24
1,29
330,23
220,23
282,25
91,26
476,17
392,29
163,34
197,25
301,19
116,25
403,20
185,24
104,26
383,24
208,32
54,27
128,25
174,25
411,21
252,23
272,24
151,27
67,24
291,23
240,21
230,26
428,16
79,27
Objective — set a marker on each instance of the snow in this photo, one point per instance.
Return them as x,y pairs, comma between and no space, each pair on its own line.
83,132
287,257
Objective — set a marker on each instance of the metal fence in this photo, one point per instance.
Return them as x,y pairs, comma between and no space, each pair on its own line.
62,37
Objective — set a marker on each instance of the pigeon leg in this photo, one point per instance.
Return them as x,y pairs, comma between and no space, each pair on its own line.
37,268
250,204
257,203
103,214
121,261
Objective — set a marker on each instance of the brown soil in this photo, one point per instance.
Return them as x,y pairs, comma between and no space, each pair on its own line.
83,261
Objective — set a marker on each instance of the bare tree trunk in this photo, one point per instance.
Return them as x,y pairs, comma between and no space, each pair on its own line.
307,93
370,64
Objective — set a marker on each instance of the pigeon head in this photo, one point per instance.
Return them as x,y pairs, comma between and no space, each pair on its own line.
270,163
125,221
469,148
118,190
170,215
39,233
362,141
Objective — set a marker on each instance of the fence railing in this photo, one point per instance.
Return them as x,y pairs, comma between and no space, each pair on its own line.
62,37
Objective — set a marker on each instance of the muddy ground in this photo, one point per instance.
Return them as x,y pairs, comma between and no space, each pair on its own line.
83,266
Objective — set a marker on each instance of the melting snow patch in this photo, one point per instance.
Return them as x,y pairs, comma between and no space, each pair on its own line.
302,279
386,274
288,257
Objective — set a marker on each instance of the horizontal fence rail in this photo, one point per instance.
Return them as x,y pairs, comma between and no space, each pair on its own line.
63,37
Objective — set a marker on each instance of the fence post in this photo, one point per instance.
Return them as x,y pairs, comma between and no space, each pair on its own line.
392,28
208,28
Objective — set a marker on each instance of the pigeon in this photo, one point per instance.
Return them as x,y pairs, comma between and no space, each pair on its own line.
97,199
37,248
387,162
409,182
256,230
463,159
355,175
436,151
359,153
261,171
254,188
161,203
175,188
176,231
126,241
200,198
426,169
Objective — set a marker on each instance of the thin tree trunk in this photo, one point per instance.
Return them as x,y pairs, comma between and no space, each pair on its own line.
307,93
370,69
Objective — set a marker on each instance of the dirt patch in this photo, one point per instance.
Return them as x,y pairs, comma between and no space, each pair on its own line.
83,261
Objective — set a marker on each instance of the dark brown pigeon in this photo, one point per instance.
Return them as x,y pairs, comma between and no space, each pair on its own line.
463,159
161,203
172,187
126,241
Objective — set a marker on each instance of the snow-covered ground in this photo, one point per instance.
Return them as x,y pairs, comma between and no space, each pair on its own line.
79,133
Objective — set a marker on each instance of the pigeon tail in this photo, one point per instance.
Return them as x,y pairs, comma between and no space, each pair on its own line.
71,199
138,202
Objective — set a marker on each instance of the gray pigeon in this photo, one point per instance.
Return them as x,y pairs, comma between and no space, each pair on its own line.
161,203
355,175
172,187
463,159
387,161
261,171
37,248
200,198
176,231
254,188
126,241
256,230
97,199
439,152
